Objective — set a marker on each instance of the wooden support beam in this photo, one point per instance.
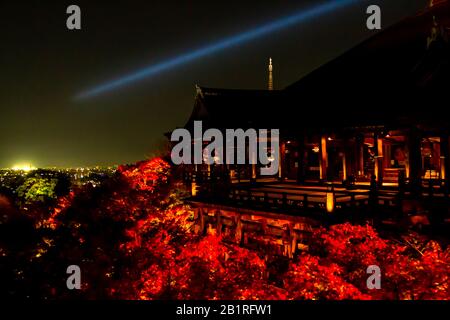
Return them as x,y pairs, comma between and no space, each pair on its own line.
323,159
219,225
379,166
360,160
281,157
254,173
344,165
445,159
302,158
202,222
415,161
239,237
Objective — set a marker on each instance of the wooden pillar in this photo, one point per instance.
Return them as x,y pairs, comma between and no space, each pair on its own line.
415,161
301,170
407,171
352,159
445,159
378,144
344,165
254,175
348,159
239,234
203,225
360,155
281,159
219,224
323,160
294,239
198,221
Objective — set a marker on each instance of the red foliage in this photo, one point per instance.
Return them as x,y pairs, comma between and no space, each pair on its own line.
350,245
409,271
62,204
205,268
177,264
423,275
145,175
308,279
166,260
210,269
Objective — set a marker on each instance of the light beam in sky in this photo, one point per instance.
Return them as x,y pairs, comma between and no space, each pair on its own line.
282,23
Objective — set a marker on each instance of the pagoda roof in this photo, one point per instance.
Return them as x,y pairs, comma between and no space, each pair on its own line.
230,108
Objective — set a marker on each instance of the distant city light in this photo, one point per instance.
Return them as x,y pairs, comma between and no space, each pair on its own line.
23,167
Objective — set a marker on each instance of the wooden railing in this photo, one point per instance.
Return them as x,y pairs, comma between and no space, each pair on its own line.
305,200
293,198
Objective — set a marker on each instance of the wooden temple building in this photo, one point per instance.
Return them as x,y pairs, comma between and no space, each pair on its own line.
371,125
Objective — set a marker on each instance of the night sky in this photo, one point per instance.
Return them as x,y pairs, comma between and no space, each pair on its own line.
44,66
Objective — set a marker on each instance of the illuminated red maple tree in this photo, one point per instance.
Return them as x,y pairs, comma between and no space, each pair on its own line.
135,238
412,267
180,265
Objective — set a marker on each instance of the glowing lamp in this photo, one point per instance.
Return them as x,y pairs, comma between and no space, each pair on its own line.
194,189
330,200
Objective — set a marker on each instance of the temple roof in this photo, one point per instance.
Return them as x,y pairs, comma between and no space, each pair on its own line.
398,76
220,108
